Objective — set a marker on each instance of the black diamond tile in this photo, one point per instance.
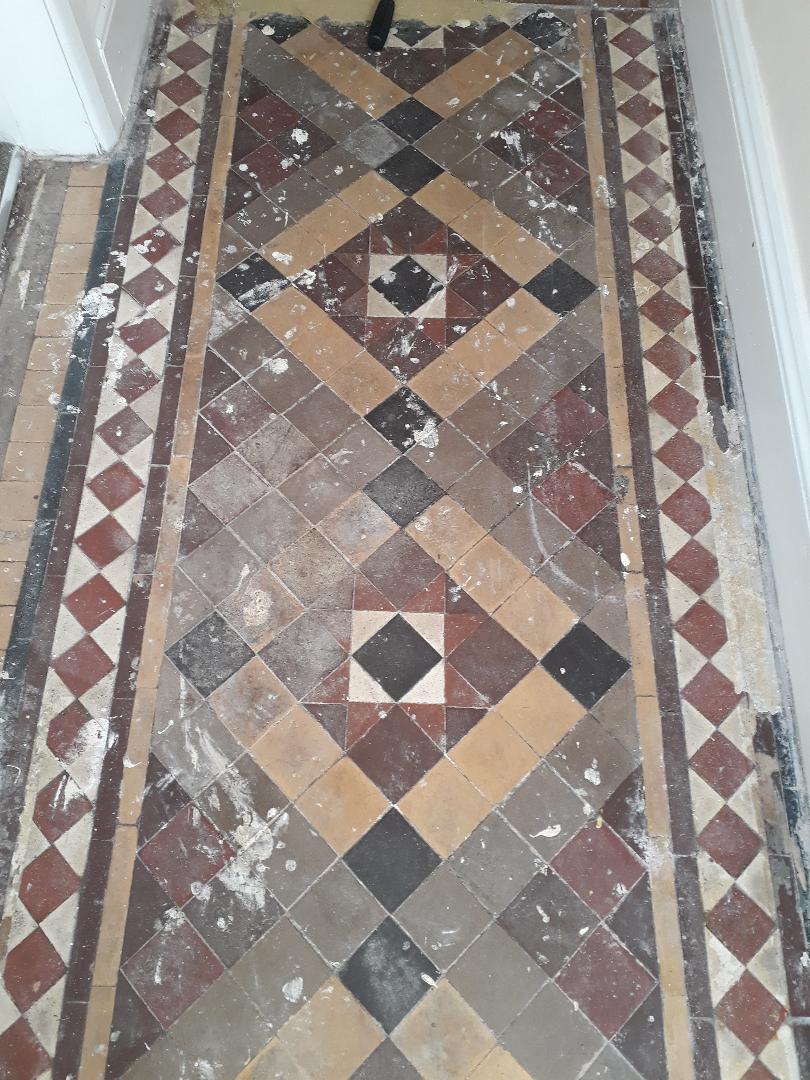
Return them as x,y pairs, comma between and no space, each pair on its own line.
280,28
401,417
410,119
407,285
409,170
209,654
543,28
560,287
403,491
253,281
412,31
397,657
392,860
387,974
585,665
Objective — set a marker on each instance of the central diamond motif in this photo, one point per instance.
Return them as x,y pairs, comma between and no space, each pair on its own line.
407,285
397,657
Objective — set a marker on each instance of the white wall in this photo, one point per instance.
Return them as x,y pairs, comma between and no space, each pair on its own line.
751,79
67,69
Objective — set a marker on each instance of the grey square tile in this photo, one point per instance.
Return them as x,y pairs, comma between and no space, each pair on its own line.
242,801
298,973
232,912
209,654
270,526
314,572
229,488
532,533
373,143
337,168
592,761
545,811
450,459
282,381
487,494
247,345
303,653
299,195
447,144
337,914
483,172
494,863
497,977
551,1039
289,856
316,489
610,1065
188,607
279,449
194,746
218,565
361,453
578,575
260,607
442,917
386,1063
549,920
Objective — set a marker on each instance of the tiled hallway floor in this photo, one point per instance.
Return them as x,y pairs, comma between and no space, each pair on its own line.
387,693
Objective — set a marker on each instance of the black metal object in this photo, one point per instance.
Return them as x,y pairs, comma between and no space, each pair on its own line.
381,25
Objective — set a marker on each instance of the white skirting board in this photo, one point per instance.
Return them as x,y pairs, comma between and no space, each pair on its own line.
769,306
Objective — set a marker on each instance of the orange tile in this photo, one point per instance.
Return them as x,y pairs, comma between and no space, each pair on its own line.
445,531
489,573
343,804
536,617
295,752
444,807
540,710
494,757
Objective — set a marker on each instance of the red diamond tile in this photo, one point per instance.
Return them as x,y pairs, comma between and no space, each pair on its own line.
645,147
46,883
156,243
665,311
124,431
729,841
630,41
163,202
238,413
32,968
175,126
655,226
265,167
659,267
751,1012
94,602
269,116
395,754
568,420
682,454
694,566
712,694
640,109
115,485
721,764
21,1053
703,627
675,404
172,970
169,163
550,120
670,357
142,334
186,852
605,981
58,806
71,732
635,74
740,924
181,90
105,541
573,495
599,867
188,55
648,185
82,666
149,286
759,1072
688,508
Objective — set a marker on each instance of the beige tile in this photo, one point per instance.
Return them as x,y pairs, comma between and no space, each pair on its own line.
81,200
509,52
39,386
444,807
272,1063
97,1031
325,348
88,174
522,319
342,805
445,531
15,536
49,354
442,1036
20,499
485,226
293,251
446,197
493,757
334,223
116,902
371,196
10,578
521,256
64,288
296,751
71,258
540,710
6,621
499,1065
363,382
489,573
445,385
251,701
77,229
484,352
332,1035
57,320
536,617
26,461
33,423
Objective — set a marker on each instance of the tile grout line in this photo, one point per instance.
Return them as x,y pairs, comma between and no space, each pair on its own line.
662,880
99,1012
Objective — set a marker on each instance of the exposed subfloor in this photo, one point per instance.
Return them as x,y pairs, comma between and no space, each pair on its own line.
384,698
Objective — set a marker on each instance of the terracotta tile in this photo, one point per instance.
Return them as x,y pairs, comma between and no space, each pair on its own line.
444,808
489,573
445,531
445,197
522,319
295,752
751,1012
342,804
443,1036
540,711
535,616
493,757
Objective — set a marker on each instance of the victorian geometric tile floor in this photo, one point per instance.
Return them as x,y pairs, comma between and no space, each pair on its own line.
383,698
